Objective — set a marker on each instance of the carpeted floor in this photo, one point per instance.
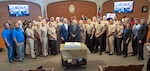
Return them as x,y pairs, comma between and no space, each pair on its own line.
93,61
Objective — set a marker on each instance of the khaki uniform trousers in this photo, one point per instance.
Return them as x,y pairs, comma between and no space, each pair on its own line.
45,46
31,47
38,47
110,44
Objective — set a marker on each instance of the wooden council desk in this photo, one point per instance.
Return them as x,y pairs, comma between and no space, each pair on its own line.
74,53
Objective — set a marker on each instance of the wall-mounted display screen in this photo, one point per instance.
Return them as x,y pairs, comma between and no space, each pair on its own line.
123,7
18,10
110,15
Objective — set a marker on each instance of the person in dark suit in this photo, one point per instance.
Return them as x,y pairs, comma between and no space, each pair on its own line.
83,17
126,38
75,32
142,38
64,31
135,31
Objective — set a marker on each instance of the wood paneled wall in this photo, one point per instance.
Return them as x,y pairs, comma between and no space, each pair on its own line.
34,9
137,8
86,8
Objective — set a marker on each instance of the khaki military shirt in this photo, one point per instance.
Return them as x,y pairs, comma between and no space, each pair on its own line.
89,28
105,23
35,30
29,32
119,31
39,23
99,28
54,23
93,22
58,24
43,31
116,23
111,28
52,31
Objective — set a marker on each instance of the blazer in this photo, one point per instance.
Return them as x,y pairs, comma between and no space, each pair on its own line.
127,34
143,33
64,32
75,32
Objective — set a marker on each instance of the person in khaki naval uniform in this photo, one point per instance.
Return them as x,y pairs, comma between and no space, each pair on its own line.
43,37
30,39
52,20
94,21
99,30
83,31
89,36
119,36
58,23
116,21
52,36
37,44
110,38
105,23
39,21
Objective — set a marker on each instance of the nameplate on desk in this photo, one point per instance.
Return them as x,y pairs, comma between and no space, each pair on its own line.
72,45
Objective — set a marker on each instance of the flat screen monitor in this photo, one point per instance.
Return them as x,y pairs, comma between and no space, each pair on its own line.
123,7
18,10
110,15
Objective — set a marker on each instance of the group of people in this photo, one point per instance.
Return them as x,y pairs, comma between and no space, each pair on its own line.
44,36
110,34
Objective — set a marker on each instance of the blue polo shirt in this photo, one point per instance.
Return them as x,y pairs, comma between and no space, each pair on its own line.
18,34
7,34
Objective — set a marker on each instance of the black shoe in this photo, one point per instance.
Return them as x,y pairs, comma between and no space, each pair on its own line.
1,49
110,54
119,54
11,61
100,53
19,60
40,67
133,54
52,53
94,51
122,53
107,52
125,56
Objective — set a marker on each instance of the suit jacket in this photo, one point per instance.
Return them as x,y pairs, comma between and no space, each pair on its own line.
84,18
143,33
75,32
127,34
64,32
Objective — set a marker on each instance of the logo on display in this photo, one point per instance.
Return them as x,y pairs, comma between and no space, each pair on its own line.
71,9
